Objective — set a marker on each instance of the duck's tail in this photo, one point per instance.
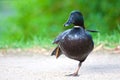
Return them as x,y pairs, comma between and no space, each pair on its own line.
92,30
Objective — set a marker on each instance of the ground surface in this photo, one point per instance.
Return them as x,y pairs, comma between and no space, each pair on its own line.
98,66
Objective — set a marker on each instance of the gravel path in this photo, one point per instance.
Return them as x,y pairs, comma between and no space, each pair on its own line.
40,67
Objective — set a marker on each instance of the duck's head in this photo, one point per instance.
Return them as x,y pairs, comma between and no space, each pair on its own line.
76,18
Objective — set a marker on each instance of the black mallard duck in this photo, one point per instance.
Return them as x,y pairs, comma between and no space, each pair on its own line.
75,43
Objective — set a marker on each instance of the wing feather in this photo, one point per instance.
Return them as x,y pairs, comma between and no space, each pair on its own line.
60,36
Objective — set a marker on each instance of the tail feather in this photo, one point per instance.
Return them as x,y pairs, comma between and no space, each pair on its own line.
92,30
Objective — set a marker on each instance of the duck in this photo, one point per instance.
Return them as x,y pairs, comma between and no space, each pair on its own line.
75,43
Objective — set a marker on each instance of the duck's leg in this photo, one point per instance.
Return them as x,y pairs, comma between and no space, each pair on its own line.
76,72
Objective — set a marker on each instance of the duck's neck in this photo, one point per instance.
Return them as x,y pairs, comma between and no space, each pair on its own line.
78,26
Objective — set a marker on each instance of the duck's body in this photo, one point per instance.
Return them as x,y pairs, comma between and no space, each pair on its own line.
75,43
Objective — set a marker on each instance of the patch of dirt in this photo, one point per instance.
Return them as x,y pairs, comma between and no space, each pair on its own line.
37,64
38,51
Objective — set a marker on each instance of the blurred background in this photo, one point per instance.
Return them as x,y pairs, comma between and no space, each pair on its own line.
30,23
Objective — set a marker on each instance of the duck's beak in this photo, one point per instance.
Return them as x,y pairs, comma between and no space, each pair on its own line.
69,22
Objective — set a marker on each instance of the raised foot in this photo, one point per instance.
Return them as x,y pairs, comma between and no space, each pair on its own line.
74,74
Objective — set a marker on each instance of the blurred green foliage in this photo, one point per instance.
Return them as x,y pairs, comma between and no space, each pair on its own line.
30,23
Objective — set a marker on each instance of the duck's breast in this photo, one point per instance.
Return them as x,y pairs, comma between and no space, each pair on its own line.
77,44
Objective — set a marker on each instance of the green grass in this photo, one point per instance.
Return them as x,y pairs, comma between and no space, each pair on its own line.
29,23
36,42
109,40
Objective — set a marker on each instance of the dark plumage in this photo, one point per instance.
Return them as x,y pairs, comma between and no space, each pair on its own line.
75,43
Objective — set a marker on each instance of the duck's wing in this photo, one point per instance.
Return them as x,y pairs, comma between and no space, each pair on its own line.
60,36
57,51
